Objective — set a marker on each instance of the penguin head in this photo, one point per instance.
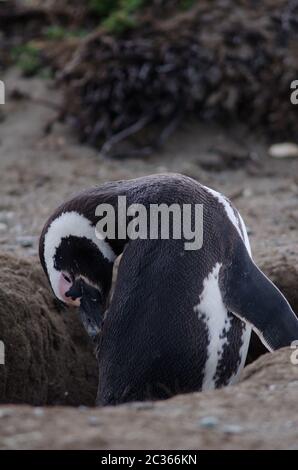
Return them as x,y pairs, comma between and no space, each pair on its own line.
78,264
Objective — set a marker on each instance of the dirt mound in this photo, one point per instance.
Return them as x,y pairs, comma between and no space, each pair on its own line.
48,359
255,414
282,267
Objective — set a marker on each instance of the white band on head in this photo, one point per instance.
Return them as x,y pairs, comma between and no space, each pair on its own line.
70,224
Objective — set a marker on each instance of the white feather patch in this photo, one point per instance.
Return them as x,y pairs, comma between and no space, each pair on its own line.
228,208
211,306
245,236
247,330
212,310
242,352
75,224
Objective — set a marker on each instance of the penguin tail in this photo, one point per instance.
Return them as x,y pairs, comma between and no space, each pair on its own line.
252,297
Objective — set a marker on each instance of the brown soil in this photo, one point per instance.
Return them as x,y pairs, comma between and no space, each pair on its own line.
258,413
48,361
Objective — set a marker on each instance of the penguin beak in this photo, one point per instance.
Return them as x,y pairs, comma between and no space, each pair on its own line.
91,306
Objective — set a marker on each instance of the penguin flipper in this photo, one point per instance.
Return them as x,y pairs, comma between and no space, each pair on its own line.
252,297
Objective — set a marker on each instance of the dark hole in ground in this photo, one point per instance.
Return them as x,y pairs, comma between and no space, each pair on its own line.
48,358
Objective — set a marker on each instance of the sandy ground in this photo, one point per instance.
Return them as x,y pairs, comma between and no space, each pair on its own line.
38,171
258,413
48,356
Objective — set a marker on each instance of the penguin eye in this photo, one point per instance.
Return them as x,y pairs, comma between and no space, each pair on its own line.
66,277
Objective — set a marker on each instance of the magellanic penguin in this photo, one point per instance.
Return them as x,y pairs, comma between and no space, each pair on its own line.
179,320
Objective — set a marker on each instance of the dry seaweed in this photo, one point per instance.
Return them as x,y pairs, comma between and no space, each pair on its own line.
215,61
126,93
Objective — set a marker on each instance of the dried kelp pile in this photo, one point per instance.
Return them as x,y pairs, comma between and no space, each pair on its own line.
217,60
29,30
133,70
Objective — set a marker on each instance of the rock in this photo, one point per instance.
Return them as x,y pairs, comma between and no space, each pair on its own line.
284,150
26,241
93,421
6,216
5,412
3,227
146,405
272,387
247,192
82,408
293,384
232,428
209,422
37,411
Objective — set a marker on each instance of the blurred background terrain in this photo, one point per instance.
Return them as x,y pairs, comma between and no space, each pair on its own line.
104,90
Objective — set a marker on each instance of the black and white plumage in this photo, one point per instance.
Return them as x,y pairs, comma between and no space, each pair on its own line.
179,321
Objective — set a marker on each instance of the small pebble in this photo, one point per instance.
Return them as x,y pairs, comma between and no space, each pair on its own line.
26,241
82,408
247,192
4,413
3,227
93,421
249,231
6,216
283,150
272,387
293,384
32,252
232,429
38,411
141,405
209,422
